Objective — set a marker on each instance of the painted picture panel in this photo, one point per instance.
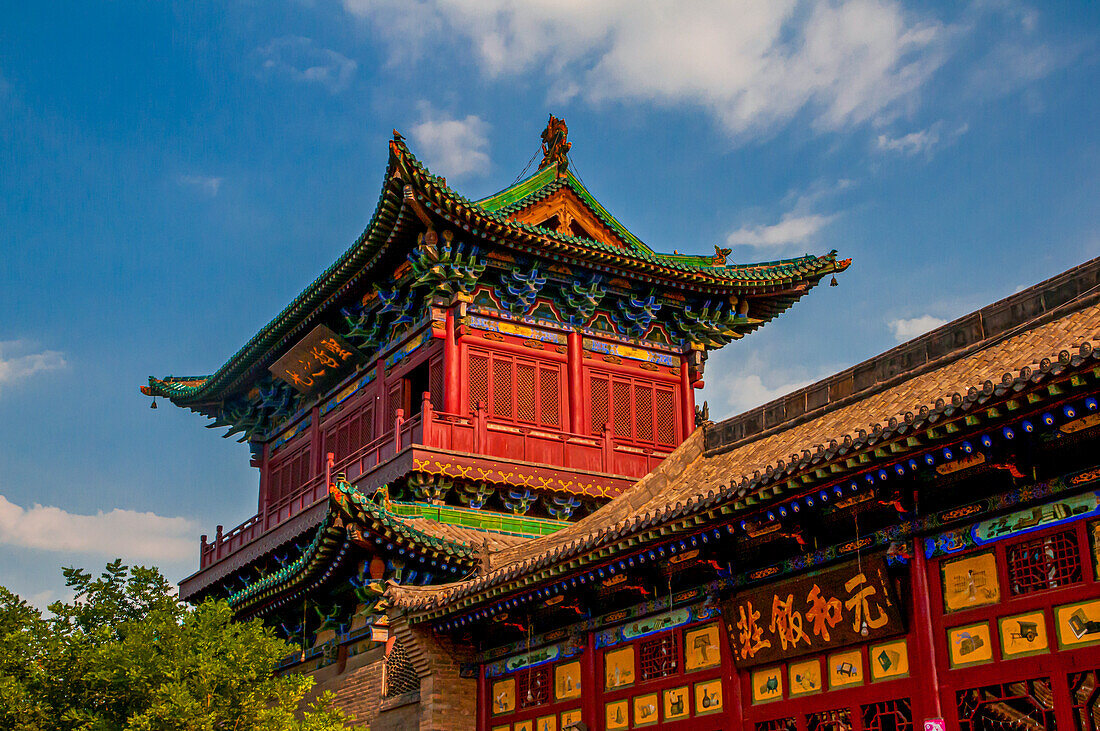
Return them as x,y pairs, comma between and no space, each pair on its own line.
568,718
701,648
676,703
804,677
834,608
617,715
767,685
645,710
505,727
889,660
547,723
528,725
970,644
618,668
567,681
504,696
1078,623
1023,634
1042,516
970,582
708,697
845,668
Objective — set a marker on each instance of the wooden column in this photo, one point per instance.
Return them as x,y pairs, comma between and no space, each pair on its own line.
575,359
926,645
315,457
687,398
591,708
451,378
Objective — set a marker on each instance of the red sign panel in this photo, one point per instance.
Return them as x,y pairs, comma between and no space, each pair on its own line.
834,608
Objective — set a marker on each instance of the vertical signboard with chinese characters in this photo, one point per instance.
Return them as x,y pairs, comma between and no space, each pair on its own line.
318,362
835,608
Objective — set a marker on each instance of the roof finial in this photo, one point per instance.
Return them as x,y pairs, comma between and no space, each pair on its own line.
555,146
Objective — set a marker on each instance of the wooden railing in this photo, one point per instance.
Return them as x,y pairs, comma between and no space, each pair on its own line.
475,433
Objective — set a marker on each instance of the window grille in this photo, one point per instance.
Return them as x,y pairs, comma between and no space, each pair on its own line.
289,476
399,674
525,392
835,720
502,388
659,656
620,406
888,716
479,380
393,403
601,413
551,396
1084,693
436,383
779,724
1044,563
665,415
533,687
643,403
1026,704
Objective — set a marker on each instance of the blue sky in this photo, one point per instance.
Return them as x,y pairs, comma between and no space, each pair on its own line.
173,173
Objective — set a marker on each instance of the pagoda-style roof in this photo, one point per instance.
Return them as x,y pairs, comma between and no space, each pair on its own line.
354,519
413,198
1016,366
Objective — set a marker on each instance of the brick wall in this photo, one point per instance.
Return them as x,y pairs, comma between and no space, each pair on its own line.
357,684
448,702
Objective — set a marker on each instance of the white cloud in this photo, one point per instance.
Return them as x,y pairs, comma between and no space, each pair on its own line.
749,391
16,364
133,536
454,147
924,140
754,65
907,329
204,184
791,229
302,60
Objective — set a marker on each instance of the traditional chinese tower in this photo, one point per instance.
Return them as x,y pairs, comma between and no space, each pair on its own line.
466,376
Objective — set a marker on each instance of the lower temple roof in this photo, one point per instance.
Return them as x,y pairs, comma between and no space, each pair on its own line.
1049,344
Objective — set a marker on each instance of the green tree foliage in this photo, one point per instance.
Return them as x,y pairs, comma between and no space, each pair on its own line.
126,655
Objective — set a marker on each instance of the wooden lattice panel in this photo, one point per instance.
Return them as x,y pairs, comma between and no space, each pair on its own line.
533,687
479,380
659,656
896,715
1024,704
1044,563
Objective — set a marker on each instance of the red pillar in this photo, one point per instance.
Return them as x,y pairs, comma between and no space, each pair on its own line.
575,356
591,709
687,396
451,382
926,644
483,701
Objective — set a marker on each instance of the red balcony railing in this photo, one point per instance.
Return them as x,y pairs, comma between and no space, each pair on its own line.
476,433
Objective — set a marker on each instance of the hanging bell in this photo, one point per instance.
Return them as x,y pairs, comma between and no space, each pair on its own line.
833,282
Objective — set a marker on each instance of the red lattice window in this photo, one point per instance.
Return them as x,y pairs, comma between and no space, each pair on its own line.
525,392
346,437
533,687
601,411
479,380
502,387
436,383
522,389
779,724
888,716
289,476
659,656
665,415
643,401
1084,693
1026,704
835,720
1044,563
637,409
393,403
620,409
